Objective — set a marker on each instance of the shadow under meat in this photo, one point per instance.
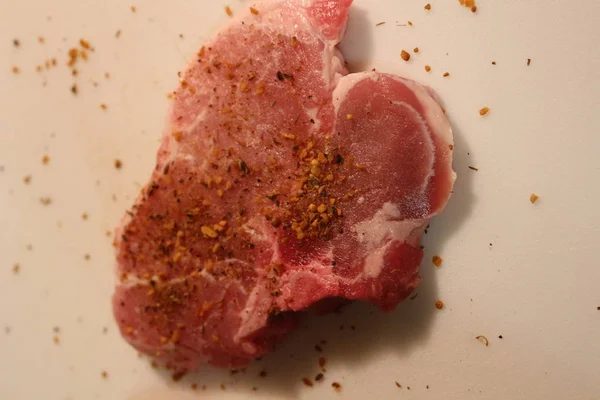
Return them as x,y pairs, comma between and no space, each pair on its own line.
357,44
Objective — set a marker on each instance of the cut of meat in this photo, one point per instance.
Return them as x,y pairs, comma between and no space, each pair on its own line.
281,183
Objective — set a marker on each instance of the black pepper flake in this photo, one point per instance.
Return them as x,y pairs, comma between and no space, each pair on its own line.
16,42
243,167
318,348
152,188
319,377
339,159
279,75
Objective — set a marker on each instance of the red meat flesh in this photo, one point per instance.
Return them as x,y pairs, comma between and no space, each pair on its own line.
280,182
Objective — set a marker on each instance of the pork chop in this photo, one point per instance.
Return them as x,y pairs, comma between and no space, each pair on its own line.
281,181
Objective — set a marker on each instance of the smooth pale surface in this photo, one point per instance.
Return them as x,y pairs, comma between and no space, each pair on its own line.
537,285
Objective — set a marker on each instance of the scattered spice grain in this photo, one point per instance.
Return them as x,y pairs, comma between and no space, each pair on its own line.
405,55
439,304
437,261
307,382
322,362
483,340
484,111
533,198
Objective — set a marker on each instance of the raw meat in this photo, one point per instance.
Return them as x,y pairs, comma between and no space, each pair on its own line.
281,183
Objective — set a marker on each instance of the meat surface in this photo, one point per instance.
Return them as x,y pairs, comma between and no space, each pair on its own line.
281,182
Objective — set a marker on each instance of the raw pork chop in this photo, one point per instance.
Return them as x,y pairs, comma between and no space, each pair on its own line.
280,182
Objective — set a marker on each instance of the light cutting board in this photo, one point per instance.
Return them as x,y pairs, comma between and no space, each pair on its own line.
523,275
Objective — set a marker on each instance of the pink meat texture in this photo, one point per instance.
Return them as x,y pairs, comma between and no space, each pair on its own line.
281,182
